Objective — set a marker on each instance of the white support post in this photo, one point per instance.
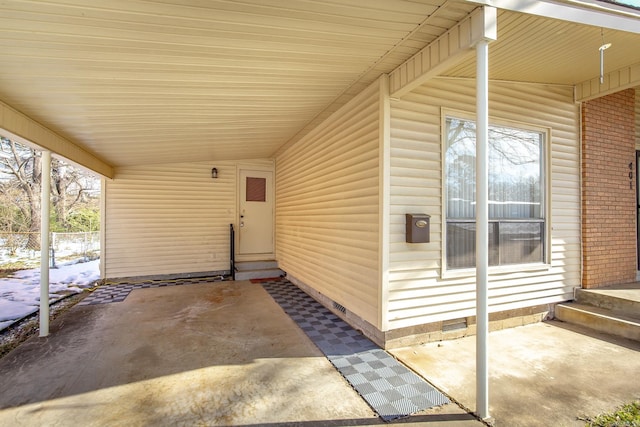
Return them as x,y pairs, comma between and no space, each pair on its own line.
44,243
482,229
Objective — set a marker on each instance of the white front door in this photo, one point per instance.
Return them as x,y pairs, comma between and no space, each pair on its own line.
255,237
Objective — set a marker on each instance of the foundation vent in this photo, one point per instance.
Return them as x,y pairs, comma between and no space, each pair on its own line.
454,325
339,307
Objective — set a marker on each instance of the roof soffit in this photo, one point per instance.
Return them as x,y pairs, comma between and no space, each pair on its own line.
154,82
536,49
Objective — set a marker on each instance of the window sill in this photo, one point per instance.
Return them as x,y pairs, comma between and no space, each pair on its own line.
502,269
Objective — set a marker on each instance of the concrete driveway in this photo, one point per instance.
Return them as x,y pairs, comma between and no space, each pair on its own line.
226,354
545,374
202,354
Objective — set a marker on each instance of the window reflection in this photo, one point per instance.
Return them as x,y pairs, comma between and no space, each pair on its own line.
516,194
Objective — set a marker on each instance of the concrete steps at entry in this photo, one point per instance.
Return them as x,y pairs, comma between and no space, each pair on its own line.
247,270
612,310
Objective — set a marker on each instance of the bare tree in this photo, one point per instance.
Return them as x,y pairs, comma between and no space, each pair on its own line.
69,187
20,185
24,166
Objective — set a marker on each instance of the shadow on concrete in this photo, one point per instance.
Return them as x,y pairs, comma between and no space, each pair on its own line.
220,353
413,420
543,374
153,333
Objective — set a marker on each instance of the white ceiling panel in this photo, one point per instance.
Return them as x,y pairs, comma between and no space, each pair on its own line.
541,50
157,81
160,81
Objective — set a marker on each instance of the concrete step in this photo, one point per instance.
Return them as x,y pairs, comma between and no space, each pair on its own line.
247,270
255,265
599,319
623,299
259,274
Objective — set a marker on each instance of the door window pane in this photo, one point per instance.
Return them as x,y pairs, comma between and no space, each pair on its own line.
256,189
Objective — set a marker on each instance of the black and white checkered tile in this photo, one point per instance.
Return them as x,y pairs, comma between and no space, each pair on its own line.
119,292
391,389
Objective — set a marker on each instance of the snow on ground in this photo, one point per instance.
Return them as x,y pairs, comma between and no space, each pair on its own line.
20,293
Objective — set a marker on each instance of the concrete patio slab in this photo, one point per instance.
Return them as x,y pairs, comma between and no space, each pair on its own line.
204,354
545,374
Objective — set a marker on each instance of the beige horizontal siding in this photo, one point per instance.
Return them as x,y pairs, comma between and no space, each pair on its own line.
327,209
170,219
418,293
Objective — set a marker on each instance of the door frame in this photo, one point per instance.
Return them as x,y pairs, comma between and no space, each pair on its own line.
252,167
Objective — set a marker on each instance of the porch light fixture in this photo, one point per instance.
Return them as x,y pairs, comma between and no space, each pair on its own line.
602,48
214,173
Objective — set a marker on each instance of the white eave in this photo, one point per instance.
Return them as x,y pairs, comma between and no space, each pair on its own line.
599,14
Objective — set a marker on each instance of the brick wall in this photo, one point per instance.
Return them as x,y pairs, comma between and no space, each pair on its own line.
608,202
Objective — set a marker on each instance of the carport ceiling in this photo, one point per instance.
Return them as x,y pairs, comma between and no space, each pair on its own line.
158,81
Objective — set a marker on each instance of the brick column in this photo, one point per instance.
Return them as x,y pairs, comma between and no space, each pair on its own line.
608,201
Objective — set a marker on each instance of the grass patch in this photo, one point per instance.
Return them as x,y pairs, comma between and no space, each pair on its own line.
6,272
16,337
627,415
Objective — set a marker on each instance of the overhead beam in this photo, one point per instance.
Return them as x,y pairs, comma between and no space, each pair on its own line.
580,12
445,51
614,81
21,128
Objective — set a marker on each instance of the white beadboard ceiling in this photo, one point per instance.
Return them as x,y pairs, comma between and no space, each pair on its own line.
535,49
159,81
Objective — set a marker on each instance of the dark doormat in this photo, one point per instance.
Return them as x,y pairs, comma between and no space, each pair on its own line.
391,389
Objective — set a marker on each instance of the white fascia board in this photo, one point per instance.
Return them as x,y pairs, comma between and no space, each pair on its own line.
581,12
613,81
23,129
449,48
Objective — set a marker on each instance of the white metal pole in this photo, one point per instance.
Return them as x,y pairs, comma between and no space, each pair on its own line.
482,229
601,65
44,243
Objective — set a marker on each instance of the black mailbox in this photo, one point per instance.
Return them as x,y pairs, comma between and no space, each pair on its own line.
417,228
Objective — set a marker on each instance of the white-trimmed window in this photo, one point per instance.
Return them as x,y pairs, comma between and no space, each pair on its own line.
516,194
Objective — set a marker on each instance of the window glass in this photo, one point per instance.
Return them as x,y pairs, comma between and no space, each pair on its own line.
516,194
256,189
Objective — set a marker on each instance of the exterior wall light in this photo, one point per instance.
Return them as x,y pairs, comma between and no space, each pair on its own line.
214,173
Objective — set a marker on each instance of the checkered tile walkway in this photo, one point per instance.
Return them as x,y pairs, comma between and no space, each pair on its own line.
391,389
119,292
